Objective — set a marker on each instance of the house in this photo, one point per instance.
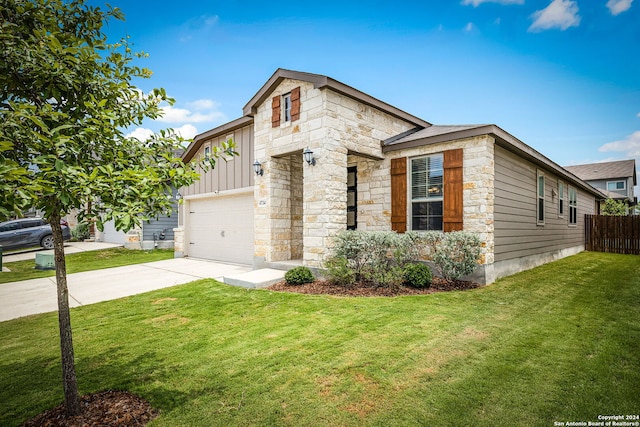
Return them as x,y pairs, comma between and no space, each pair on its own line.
153,233
615,179
318,157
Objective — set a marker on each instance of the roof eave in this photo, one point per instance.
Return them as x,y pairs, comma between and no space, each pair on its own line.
321,82
504,140
198,140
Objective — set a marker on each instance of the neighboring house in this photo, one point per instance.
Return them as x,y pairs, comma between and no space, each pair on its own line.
615,179
153,233
374,167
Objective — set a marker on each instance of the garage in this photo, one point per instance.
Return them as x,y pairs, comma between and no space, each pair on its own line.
221,228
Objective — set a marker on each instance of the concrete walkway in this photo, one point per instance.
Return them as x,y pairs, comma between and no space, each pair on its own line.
35,296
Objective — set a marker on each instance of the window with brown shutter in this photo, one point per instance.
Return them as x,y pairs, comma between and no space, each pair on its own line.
453,209
436,192
399,194
275,111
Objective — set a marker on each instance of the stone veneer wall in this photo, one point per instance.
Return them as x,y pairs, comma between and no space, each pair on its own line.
374,188
330,125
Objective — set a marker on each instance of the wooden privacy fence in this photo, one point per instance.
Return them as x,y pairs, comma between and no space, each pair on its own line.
616,234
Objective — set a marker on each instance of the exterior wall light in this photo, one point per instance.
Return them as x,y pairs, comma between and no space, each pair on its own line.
308,157
257,168
178,196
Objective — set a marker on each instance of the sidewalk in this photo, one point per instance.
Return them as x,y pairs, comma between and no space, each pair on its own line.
35,296
69,248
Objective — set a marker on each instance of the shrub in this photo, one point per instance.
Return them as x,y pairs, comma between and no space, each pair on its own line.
81,232
417,275
375,257
299,276
338,271
457,254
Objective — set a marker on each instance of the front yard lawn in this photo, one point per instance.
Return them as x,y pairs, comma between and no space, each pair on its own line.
84,261
560,343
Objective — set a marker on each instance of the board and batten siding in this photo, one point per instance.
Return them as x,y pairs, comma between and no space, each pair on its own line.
235,173
517,233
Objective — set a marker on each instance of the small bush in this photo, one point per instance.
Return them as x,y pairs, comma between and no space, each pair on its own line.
338,271
299,276
457,254
417,275
81,232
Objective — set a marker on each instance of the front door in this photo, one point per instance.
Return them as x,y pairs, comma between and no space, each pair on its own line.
352,198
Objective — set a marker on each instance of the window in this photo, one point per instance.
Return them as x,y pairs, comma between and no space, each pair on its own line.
616,185
427,192
352,198
540,206
286,99
207,152
573,206
560,199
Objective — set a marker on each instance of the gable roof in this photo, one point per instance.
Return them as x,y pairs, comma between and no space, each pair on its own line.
224,129
605,170
321,82
444,133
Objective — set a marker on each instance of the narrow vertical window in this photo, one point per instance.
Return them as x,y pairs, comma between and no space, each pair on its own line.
286,99
573,206
207,153
352,198
560,199
540,207
427,193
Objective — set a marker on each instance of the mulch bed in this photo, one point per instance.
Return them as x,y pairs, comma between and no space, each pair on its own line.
322,287
103,409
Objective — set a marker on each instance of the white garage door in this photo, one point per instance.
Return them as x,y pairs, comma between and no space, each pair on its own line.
221,228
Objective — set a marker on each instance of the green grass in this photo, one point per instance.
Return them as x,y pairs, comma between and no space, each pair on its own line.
557,343
84,261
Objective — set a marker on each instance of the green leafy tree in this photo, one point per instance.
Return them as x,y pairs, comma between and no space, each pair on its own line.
612,207
66,100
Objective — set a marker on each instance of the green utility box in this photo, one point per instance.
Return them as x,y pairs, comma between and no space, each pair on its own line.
45,261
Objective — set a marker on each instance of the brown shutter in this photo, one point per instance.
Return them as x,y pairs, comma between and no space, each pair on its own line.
399,194
275,111
453,190
295,104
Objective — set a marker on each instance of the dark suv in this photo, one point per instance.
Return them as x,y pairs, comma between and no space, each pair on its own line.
29,232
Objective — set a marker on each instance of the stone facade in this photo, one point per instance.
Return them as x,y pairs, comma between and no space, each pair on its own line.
374,188
301,207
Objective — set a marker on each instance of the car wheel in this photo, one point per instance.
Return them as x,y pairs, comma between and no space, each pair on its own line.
47,242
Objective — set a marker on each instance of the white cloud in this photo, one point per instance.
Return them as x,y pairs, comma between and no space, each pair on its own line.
638,114
205,113
469,27
616,7
141,134
187,131
630,145
203,104
476,3
560,14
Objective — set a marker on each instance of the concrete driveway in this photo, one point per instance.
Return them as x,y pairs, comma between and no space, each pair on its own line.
35,296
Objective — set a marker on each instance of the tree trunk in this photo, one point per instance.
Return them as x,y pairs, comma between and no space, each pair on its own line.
71,397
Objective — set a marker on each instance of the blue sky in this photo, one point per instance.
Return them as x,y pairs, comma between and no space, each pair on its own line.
563,75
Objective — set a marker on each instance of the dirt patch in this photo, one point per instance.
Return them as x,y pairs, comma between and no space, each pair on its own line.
161,300
105,409
323,287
